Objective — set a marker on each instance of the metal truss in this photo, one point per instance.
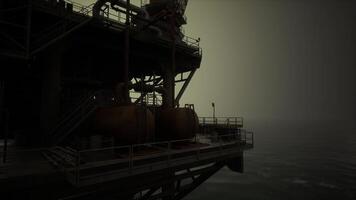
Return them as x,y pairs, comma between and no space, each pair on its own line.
153,84
174,186
21,41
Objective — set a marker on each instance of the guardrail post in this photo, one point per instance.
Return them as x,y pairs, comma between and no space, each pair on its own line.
78,168
131,157
220,145
204,126
6,131
236,137
169,153
198,153
246,137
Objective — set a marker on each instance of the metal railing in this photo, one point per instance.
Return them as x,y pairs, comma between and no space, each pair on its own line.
150,99
248,137
191,41
99,165
150,156
76,7
228,121
115,18
144,2
80,8
15,155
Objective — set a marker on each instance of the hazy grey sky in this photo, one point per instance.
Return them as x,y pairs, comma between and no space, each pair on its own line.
274,59
279,59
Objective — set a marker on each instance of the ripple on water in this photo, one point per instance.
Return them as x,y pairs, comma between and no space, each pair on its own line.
328,185
300,181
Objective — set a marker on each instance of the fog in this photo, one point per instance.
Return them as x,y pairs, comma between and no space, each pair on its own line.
274,59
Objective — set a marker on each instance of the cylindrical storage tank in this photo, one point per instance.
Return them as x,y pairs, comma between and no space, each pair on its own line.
129,124
176,124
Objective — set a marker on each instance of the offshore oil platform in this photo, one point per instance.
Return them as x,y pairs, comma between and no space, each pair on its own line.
88,103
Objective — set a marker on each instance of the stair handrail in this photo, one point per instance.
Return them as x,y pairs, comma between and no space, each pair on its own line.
65,127
84,101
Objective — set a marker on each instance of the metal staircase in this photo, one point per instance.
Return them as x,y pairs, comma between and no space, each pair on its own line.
71,21
61,157
73,119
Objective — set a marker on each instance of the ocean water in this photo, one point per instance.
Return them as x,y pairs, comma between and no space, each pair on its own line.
291,160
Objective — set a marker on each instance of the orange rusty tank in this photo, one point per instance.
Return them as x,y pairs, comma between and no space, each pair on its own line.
176,124
129,124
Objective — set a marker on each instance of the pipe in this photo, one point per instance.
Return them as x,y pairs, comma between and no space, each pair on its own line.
127,54
126,5
121,89
97,7
121,3
169,74
147,88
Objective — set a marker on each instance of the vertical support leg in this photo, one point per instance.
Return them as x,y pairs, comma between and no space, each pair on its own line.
154,94
77,169
168,84
51,87
127,54
28,29
6,131
2,93
169,79
4,119
168,190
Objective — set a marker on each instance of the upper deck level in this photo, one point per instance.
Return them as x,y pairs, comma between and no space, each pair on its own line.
41,24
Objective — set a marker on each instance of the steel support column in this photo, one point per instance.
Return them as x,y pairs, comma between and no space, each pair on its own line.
28,29
4,120
51,88
127,54
2,96
168,190
169,80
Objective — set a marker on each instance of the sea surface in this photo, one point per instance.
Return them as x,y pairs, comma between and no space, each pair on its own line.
291,160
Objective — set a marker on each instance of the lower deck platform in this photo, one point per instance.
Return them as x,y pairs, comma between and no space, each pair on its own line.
101,171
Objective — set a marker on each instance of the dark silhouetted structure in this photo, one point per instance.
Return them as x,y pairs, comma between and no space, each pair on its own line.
88,103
